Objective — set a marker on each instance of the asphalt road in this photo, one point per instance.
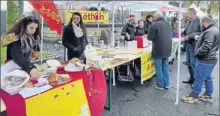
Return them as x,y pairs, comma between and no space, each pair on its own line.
134,99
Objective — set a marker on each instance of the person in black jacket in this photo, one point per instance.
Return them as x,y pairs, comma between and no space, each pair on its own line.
75,37
148,23
129,30
21,41
160,34
193,28
206,53
139,29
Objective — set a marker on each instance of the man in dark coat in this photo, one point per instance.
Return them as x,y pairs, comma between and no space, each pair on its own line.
160,34
206,51
193,28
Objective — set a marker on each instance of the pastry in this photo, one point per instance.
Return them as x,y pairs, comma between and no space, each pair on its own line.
74,60
35,54
81,61
53,77
65,77
53,83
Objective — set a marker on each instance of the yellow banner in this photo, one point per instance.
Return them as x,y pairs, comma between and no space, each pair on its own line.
89,16
147,66
61,101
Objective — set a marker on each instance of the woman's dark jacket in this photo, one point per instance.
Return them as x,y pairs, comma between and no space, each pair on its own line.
139,31
20,55
75,45
130,29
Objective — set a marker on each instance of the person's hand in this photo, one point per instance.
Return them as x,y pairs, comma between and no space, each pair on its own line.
196,37
78,49
33,58
145,36
34,74
128,36
186,38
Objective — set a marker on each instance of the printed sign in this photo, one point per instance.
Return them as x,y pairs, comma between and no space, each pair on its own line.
147,66
89,16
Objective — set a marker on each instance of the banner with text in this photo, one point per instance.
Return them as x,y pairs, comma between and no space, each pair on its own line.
89,16
147,66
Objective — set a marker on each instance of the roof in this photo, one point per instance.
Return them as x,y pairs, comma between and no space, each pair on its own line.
108,4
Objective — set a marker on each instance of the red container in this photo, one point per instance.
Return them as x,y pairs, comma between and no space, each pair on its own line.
140,41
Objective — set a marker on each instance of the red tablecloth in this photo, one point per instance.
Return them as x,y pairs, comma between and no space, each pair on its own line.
95,88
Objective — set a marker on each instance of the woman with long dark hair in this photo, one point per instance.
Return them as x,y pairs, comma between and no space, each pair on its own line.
75,37
22,41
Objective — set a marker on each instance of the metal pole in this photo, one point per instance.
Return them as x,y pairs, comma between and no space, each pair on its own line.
218,13
113,25
41,47
178,64
98,19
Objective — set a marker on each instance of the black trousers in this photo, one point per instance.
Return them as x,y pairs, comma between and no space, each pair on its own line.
72,54
184,46
191,73
4,113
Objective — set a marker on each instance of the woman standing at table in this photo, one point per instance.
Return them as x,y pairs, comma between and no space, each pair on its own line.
74,37
22,42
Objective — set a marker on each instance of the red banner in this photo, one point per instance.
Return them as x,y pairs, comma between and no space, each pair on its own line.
48,11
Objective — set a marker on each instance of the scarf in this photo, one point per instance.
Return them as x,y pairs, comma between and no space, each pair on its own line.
28,42
77,30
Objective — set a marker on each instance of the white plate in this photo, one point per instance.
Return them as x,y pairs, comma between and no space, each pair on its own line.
73,68
6,85
53,63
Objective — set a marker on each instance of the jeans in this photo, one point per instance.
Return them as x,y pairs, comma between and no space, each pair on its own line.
203,74
191,60
174,35
162,72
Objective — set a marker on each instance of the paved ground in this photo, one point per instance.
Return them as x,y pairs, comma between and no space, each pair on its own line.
134,99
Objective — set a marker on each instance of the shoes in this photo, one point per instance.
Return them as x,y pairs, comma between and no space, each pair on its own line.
156,87
190,99
189,81
192,86
183,50
185,63
205,98
166,87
